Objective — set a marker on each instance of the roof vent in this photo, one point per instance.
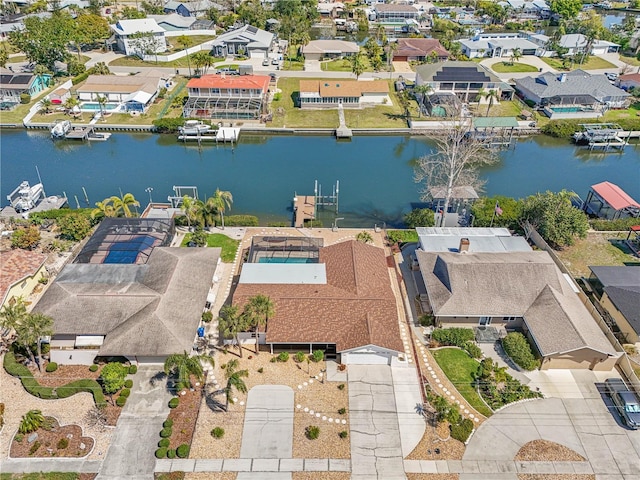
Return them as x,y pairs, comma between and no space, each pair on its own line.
464,245
562,78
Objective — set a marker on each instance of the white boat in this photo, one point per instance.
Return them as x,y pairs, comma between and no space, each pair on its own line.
25,197
194,127
60,128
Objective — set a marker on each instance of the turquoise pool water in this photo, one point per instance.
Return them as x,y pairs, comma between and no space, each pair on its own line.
285,260
95,107
570,109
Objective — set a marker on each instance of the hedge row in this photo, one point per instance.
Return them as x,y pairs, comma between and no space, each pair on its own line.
456,337
622,224
402,236
566,128
241,221
32,386
517,347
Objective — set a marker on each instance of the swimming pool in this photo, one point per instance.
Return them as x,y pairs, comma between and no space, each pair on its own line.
286,260
95,107
570,109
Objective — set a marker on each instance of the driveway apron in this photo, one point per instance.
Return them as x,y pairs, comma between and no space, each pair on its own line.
131,454
376,451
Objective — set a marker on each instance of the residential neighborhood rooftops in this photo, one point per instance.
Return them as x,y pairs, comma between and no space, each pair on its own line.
343,87
15,265
253,36
330,46
577,82
121,84
18,81
131,27
411,47
457,70
174,19
260,82
616,197
622,286
578,40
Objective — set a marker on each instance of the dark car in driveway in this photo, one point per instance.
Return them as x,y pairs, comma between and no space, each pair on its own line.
625,402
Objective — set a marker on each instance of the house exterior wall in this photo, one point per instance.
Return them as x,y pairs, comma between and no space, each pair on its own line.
24,287
375,98
584,359
467,322
78,356
624,326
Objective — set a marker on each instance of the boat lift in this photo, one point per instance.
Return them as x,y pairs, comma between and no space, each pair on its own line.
180,192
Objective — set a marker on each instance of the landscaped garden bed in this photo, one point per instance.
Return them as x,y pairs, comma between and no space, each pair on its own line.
180,425
51,440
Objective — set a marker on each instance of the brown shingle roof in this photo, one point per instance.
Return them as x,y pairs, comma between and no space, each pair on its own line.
420,47
355,308
16,265
343,88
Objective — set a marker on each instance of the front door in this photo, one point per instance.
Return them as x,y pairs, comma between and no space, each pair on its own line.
484,321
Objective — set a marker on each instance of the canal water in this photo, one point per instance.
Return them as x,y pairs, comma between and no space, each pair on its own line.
264,172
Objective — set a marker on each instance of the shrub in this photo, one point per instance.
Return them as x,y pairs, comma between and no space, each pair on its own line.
517,347
426,320
125,393
283,356
312,223
174,402
34,448
343,434
166,432
48,424
112,377
621,224
62,444
128,383
161,452
241,221
168,125
121,401
278,224
164,443
84,385
168,423
402,236
25,98
19,437
457,337
31,421
51,367
312,432
207,316
182,451
342,411
171,453
273,359
93,368
80,78
133,369
299,357
472,349
217,432
260,370
341,386
462,430
317,356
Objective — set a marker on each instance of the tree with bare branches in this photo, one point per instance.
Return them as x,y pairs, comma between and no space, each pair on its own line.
454,162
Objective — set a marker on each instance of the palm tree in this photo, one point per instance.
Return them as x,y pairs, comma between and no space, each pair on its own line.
490,96
391,50
104,208
516,54
234,380
100,68
45,105
191,209
102,101
259,309
220,200
186,42
232,322
422,90
202,61
357,64
13,314
34,327
183,366
122,204
71,102
364,237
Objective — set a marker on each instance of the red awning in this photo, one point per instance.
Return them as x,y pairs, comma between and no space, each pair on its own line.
614,196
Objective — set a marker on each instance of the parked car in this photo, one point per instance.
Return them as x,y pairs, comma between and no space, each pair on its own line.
275,61
625,401
265,62
612,77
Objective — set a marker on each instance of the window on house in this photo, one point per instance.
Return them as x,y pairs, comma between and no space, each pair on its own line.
509,319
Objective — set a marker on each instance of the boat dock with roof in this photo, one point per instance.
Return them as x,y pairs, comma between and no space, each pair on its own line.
603,135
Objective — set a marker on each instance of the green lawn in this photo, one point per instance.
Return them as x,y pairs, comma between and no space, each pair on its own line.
229,246
630,60
505,67
293,116
134,61
195,40
344,65
381,116
505,108
616,115
459,368
594,63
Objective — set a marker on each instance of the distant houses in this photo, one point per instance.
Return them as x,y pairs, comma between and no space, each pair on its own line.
328,49
12,85
420,50
329,93
139,37
394,13
227,97
248,40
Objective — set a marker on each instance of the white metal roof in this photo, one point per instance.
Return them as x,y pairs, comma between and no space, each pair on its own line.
284,273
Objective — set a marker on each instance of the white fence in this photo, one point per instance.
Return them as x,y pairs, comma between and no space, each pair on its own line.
182,53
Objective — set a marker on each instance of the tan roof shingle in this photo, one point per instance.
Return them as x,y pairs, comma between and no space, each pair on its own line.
16,265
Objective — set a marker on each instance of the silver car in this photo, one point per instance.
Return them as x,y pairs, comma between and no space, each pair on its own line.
625,402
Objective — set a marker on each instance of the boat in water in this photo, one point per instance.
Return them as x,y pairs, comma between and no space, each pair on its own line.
60,129
194,127
25,197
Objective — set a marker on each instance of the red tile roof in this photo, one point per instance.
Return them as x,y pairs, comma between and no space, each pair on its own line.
356,307
231,81
630,76
16,265
419,47
614,195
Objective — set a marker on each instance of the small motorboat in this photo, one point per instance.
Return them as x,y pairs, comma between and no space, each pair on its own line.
194,127
60,128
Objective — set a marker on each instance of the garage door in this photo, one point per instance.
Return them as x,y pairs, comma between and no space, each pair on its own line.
365,359
257,54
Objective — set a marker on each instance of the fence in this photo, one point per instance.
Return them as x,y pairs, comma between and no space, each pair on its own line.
182,53
623,363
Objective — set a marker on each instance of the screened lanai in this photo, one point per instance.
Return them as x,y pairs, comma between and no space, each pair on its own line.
216,107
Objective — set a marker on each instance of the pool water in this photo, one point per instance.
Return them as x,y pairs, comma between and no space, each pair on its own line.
95,107
570,109
285,260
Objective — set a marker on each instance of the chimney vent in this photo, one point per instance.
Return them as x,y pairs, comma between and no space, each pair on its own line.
464,245
562,78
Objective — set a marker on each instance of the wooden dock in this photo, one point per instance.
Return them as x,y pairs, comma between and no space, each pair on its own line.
304,208
79,133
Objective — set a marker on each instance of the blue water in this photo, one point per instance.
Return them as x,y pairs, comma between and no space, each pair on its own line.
127,251
93,107
568,109
286,260
264,172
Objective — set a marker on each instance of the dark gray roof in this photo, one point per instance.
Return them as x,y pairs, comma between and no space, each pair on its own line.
577,82
617,276
622,286
144,310
452,71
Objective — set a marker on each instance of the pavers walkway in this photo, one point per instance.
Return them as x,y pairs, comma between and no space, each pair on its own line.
131,454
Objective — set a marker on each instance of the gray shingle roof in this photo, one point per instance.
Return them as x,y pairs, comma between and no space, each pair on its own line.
622,286
254,37
577,82
144,310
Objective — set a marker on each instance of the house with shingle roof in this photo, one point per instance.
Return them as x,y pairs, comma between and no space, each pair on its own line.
140,36
420,49
330,93
339,299
617,289
322,49
20,271
247,40
517,290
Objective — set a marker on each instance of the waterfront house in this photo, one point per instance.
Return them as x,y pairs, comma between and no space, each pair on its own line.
499,291
133,93
466,80
498,45
177,8
142,36
129,294
329,49
330,93
394,13
233,97
576,94
420,50
617,290
337,299
247,40
174,21
20,272
607,200
330,9
12,85
189,9
577,43
628,81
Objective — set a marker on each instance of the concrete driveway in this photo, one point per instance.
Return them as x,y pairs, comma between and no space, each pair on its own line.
587,425
376,451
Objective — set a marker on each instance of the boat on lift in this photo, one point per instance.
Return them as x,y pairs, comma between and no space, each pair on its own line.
60,129
194,127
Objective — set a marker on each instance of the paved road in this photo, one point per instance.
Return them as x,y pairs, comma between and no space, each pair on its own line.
131,454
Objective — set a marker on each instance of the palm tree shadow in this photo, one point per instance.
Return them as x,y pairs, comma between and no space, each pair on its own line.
212,402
